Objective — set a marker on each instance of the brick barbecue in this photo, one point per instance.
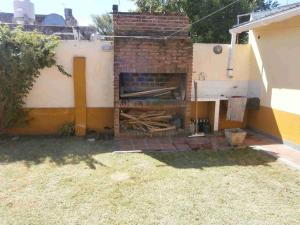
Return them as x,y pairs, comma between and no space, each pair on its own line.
152,74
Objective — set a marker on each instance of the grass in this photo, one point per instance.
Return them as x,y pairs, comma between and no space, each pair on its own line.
71,181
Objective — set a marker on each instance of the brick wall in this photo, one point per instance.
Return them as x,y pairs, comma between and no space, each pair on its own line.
133,82
151,55
150,24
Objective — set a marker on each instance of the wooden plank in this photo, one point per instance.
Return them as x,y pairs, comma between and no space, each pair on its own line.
143,93
162,94
135,119
79,73
157,118
147,122
158,124
163,129
154,115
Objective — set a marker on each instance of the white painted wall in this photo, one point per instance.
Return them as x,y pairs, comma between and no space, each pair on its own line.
54,90
210,70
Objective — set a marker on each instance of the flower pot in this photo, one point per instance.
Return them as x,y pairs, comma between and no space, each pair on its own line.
235,136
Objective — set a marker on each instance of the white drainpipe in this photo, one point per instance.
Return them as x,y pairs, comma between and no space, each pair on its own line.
230,57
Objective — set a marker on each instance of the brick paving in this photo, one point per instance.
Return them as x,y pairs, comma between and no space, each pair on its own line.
284,153
171,144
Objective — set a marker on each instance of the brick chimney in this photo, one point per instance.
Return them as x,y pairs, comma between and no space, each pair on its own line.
69,18
115,8
144,59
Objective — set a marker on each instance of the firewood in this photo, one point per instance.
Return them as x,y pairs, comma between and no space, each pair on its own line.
153,115
134,118
157,118
163,129
158,124
162,94
150,92
147,122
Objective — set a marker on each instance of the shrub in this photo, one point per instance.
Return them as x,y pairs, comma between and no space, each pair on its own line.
67,130
22,56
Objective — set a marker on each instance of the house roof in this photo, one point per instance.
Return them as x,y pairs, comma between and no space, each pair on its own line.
6,17
263,18
9,18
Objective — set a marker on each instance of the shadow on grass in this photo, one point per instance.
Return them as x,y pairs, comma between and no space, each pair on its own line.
61,151
208,158
74,150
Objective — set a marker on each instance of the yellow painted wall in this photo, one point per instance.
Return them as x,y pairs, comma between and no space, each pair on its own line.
275,68
271,61
99,118
202,110
281,124
206,110
52,99
45,121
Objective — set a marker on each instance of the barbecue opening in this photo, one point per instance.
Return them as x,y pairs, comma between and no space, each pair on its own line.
171,86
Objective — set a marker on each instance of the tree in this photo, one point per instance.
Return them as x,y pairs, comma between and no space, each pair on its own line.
103,24
160,5
266,4
214,29
22,56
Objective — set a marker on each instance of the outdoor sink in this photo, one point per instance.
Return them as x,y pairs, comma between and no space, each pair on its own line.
235,136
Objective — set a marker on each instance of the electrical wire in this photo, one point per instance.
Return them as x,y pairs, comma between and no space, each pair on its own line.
203,18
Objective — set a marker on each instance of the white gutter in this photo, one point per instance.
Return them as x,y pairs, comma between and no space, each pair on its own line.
230,56
267,20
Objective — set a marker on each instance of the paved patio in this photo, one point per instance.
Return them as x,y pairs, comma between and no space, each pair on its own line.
282,152
171,144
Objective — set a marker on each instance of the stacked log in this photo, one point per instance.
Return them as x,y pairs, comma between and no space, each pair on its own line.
147,122
152,93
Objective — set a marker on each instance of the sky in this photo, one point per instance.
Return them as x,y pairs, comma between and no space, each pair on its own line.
83,9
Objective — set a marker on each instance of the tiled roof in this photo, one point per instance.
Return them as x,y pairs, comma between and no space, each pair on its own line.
6,17
39,18
9,17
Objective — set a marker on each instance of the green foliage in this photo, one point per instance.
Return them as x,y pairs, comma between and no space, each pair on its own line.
160,5
265,5
214,29
67,130
22,56
103,24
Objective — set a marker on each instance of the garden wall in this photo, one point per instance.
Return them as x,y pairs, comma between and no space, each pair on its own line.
210,70
275,78
51,103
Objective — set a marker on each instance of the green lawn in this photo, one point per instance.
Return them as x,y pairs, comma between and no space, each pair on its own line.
71,181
